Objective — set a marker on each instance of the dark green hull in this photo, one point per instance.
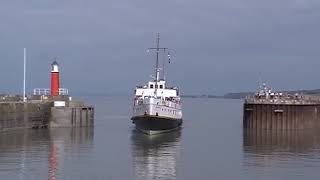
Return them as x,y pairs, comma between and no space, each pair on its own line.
156,123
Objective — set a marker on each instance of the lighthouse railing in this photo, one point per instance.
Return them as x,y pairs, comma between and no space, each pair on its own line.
63,91
47,92
41,91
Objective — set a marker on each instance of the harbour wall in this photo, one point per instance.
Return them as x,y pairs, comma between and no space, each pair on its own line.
75,115
281,116
44,114
15,115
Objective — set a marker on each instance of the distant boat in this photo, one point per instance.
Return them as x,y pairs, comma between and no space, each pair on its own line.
157,108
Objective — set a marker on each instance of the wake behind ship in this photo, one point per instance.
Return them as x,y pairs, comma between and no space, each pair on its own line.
157,108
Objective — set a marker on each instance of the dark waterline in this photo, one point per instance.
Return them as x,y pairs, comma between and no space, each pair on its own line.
211,145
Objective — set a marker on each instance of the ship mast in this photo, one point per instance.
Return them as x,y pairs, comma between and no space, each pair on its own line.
157,59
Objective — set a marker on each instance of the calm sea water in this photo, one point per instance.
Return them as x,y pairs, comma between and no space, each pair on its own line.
211,145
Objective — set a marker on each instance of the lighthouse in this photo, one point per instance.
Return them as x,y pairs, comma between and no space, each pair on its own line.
55,84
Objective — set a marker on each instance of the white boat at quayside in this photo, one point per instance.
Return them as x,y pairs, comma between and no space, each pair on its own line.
157,108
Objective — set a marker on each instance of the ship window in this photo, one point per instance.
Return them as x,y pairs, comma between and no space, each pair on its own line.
161,86
156,85
151,85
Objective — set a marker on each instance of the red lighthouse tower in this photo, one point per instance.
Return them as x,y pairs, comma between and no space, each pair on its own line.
55,84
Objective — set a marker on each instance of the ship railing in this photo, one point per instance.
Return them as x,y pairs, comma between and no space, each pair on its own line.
283,100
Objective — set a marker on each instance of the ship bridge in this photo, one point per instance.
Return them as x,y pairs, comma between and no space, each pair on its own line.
156,89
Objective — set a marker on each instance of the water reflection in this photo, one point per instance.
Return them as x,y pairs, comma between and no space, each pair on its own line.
265,147
65,142
39,154
155,157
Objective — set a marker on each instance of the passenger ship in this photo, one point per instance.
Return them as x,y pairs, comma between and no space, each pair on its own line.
157,108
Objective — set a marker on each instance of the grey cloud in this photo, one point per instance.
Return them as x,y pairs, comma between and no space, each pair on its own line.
218,46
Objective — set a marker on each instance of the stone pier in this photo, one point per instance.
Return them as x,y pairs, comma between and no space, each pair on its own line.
44,112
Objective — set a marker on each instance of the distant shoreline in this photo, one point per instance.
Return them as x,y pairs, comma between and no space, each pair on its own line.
242,95
201,96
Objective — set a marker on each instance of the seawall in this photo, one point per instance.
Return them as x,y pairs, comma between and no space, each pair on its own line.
281,114
76,114
15,115
45,112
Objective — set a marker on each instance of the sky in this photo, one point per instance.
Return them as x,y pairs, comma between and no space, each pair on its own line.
216,46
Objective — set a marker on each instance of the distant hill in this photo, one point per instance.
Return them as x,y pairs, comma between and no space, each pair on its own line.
239,95
201,96
309,92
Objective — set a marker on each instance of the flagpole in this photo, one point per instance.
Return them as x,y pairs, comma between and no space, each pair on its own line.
24,75
164,57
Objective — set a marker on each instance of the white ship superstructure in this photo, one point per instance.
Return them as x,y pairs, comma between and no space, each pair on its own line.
161,102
